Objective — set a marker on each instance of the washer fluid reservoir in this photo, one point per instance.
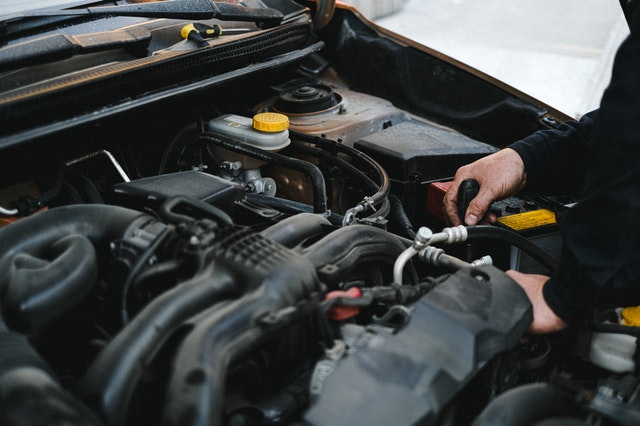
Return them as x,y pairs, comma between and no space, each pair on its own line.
268,131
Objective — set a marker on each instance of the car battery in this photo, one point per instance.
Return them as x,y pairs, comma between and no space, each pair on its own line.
535,218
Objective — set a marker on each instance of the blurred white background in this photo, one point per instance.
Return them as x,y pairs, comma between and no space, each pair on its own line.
559,52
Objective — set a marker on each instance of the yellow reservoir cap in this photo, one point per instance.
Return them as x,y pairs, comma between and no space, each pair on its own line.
270,122
631,316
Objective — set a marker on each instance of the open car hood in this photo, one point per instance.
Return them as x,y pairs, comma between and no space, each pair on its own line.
235,220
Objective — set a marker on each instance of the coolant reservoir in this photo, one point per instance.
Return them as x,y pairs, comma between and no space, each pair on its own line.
616,350
268,131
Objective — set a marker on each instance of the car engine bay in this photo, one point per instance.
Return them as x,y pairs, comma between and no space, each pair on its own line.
245,231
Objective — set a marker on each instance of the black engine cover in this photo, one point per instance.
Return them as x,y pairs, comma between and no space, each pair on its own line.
407,377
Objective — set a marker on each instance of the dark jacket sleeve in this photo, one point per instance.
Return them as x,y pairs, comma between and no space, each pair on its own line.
600,261
555,159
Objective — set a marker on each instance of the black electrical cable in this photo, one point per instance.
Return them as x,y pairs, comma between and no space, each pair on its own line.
311,170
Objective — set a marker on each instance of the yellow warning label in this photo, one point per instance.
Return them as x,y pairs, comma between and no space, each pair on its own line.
529,220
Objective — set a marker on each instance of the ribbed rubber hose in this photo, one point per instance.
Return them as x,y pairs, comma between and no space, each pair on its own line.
45,270
29,388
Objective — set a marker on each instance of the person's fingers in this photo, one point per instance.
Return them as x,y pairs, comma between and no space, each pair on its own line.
500,175
450,210
491,217
451,216
478,207
450,203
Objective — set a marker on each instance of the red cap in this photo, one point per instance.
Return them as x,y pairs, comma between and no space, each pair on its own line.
340,313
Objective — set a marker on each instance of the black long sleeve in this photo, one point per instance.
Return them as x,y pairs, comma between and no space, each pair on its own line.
600,261
555,159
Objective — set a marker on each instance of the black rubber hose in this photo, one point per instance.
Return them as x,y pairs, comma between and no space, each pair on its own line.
41,286
347,167
30,393
196,388
311,170
85,188
29,389
289,206
333,146
383,210
506,236
379,200
99,223
197,385
526,405
400,218
353,246
514,239
114,374
298,228
40,243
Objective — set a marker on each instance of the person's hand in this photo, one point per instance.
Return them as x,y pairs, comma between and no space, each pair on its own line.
500,175
544,319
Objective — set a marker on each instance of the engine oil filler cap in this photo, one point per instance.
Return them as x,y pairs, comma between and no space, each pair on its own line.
631,316
270,122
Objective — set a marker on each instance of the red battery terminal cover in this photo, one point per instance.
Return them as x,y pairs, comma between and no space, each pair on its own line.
435,195
341,312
